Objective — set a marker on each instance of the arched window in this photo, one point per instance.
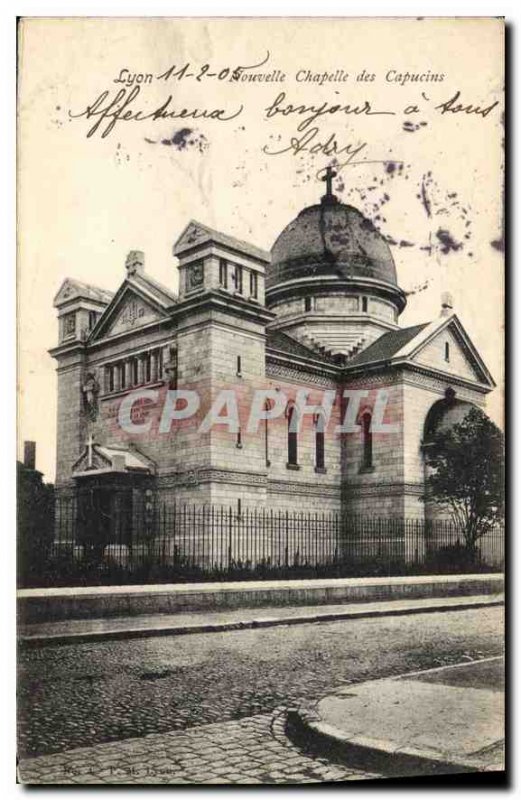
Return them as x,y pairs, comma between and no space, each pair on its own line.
320,462
291,414
367,438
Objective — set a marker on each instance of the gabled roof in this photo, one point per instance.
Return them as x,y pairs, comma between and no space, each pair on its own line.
196,234
72,288
101,458
387,345
160,292
154,295
403,346
284,343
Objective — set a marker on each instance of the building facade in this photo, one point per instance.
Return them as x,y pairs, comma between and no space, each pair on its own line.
317,317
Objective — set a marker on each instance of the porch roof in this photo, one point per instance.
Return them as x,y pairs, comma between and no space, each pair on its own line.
98,459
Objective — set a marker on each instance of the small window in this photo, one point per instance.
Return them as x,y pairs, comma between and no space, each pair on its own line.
320,443
110,379
254,284
93,318
364,304
134,371
292,436
122,376
307,304
239,439
237,278
147,368
239,367
447,351
367,460
223,273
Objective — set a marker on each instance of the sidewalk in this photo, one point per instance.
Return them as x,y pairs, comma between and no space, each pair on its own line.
91,630
447,719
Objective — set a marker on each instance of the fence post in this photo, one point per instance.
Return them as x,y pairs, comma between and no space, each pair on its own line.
230,534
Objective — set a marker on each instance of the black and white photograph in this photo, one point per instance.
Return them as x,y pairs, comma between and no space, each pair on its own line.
260,468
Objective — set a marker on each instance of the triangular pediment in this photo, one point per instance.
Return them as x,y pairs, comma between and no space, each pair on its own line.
74,290
130,310
193,235
445,346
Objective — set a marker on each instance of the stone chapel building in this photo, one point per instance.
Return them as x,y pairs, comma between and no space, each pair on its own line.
321,311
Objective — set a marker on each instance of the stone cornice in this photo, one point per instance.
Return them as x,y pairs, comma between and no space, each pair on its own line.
213,300
287,368
365,371
297,287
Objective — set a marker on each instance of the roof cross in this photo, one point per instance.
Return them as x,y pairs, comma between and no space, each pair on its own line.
328,178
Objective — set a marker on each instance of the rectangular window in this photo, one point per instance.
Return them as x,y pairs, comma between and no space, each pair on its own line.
254,284
93,318
307,304
447,351
237,278
147,368
122,376
319,450
109,377
239,367
223,273
364,304
135,377
367,434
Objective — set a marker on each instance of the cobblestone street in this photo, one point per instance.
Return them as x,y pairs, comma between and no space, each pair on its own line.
252,750
210,708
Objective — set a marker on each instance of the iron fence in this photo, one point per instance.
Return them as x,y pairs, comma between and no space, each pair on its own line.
146,543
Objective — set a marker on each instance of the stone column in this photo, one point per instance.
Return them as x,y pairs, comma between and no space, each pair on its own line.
153,366
140,370
129,372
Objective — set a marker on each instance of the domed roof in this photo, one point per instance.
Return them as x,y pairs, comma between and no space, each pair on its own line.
331,239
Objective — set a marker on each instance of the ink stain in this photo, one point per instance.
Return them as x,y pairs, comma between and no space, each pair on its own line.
498,244
183,139
412,127
447,242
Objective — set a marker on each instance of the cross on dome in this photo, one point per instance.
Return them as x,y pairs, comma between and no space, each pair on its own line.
329,197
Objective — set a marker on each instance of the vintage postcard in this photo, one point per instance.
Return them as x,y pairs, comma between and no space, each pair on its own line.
261,395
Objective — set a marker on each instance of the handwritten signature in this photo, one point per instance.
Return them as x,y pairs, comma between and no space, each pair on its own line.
113,109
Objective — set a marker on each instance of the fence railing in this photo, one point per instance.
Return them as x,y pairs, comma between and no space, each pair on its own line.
158,543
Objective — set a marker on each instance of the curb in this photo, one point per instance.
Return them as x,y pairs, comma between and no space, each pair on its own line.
40,640
307,729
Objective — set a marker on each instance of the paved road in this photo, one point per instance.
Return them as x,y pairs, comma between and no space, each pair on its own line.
77,695
251,750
